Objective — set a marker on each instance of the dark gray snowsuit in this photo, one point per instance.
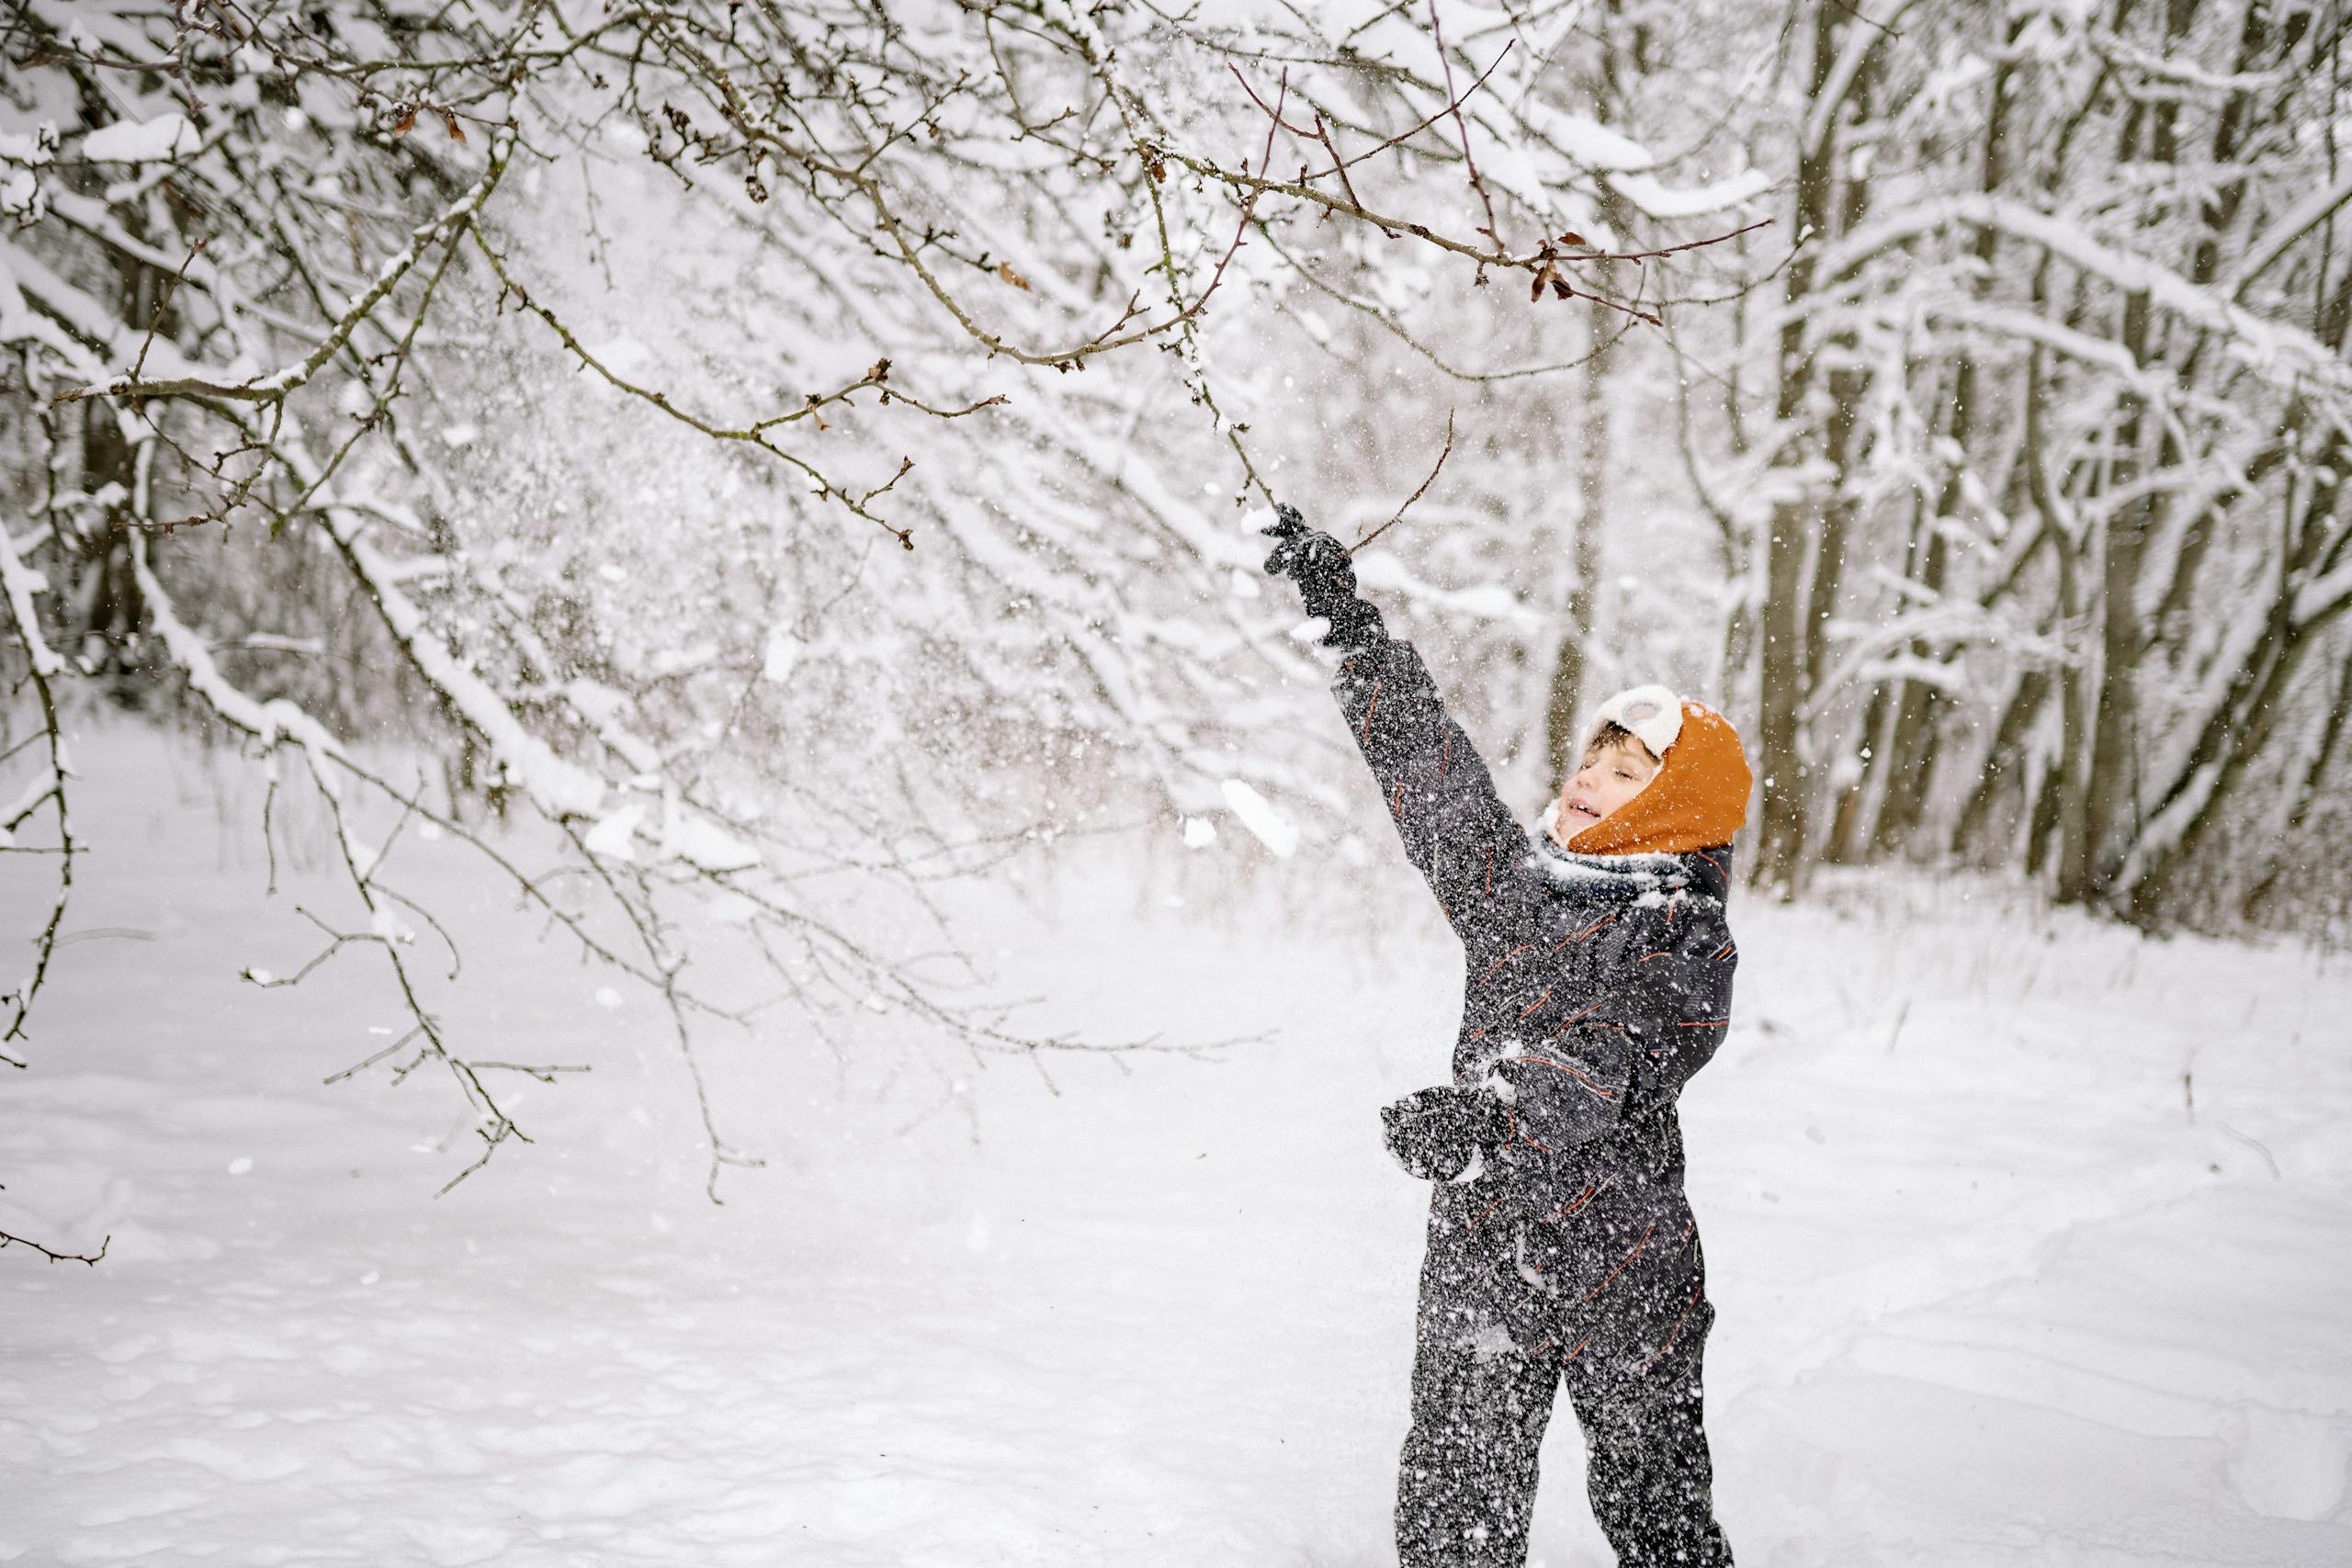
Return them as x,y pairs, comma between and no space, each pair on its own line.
1594,986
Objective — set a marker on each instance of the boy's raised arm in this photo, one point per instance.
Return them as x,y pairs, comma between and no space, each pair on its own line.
1456,828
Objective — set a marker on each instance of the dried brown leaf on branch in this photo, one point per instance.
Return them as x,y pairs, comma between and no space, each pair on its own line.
1004,270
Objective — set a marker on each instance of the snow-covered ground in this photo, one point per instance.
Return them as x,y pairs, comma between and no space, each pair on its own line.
1997,1286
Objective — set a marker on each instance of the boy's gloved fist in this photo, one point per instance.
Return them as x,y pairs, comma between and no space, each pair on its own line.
1326,581
1435,1132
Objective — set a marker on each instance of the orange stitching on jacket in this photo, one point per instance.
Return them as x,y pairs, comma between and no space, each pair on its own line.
1563,1067
1588,930
1679,1322
1369,703
1577,1351
1575,1018
1621,1267
1538,1001
1506,958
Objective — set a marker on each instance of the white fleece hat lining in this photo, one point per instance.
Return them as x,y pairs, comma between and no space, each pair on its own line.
1652,713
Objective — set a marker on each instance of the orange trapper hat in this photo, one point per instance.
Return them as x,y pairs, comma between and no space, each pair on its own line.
1698,797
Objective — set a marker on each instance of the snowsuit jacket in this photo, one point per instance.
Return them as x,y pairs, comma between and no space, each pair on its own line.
1593,987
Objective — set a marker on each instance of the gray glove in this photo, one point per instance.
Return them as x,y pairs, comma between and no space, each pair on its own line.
1327,580
1434,1133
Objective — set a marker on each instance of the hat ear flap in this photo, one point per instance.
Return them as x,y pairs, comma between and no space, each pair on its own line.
1653,714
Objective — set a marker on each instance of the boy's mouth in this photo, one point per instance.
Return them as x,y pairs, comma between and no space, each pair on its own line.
1579,809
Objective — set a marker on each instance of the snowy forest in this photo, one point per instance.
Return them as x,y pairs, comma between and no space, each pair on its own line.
730,509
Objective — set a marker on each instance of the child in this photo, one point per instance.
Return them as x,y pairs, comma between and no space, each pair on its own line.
1598,979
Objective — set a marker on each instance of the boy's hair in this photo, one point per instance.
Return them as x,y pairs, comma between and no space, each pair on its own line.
1612,735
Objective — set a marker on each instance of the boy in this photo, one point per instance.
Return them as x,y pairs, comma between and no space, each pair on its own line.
1598,979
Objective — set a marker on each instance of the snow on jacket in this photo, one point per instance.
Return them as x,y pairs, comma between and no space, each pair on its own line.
1595,985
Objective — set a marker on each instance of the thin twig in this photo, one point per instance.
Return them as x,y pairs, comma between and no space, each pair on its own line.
1437,36
1340,165
163,303
1441,457
91,1258
1666,250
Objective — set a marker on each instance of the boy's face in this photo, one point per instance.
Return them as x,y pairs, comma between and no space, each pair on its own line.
1608,777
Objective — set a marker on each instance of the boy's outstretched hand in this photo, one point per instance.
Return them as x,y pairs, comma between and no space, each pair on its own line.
1326,581
1435,1132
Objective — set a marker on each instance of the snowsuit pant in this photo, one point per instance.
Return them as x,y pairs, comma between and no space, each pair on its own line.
1488,1364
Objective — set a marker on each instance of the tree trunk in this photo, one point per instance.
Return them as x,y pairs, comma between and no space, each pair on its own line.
2005,763
1789,530
1563,706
